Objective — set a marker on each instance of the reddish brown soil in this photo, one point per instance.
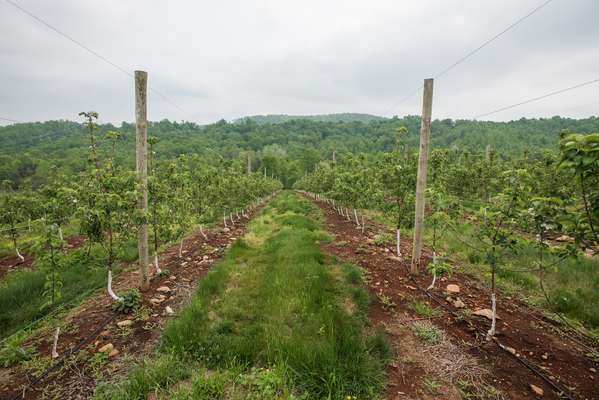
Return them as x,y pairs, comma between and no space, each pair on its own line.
12,263
560,359
95,323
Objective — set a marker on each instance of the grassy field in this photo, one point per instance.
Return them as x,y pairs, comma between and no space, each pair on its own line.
276,319
24,297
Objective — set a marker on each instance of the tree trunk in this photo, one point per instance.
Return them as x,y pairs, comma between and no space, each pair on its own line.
109,288
55,342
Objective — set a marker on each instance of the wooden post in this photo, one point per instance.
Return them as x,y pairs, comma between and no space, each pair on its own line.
425,132
141,115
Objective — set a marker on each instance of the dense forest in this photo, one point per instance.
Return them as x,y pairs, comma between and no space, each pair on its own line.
288,148
342,117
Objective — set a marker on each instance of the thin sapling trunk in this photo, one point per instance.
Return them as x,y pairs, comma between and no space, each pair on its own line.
55,342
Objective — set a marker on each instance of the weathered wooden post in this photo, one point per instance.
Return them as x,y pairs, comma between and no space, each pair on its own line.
425,132
141,115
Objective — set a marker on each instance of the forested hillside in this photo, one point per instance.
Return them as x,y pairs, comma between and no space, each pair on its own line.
342,117
30,152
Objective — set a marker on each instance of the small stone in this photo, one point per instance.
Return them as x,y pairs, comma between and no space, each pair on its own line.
155,301
485,312
593,370
459,304
124,323
107,348
536,390
452,288
226,230
394,258
205,258
113,353
164,289
169,310
545,356
564,238
172,277
104,334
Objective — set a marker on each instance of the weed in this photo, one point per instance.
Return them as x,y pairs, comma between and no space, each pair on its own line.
432,386
424,310
470,390
129,302
142,313
14,352
96,363
427,332
465,314
382,239
164,273
386,301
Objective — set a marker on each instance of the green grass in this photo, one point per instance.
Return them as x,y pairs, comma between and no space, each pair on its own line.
21,293
275,319
26,240
427,332
424,310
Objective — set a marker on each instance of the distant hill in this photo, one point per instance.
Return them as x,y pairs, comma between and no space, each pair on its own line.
282,118
30,152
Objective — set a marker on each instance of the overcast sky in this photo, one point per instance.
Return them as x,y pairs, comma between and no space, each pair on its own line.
226,59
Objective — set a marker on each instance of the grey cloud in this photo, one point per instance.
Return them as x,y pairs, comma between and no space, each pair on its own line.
233,58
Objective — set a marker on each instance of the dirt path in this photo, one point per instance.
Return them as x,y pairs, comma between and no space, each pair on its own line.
529,340
94,324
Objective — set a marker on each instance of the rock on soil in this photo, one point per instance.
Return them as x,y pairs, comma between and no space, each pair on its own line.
164,289
452,288
124,323
536,390
459,304
485,312
107,348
